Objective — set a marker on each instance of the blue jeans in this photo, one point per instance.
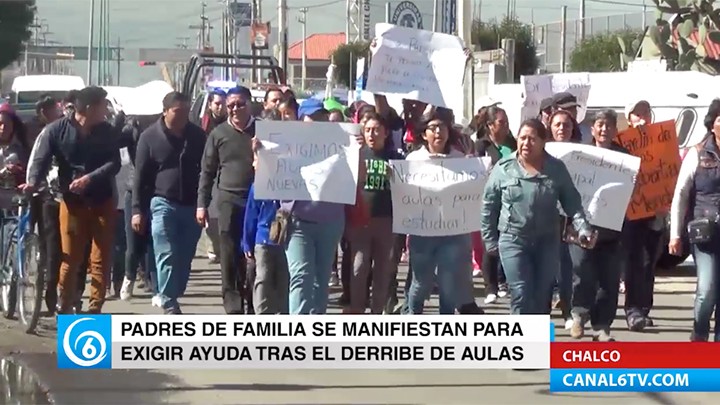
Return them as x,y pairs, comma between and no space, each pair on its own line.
119,248
565,278
706,295
531,266
175,236
310,253
138,247
596,283
449,255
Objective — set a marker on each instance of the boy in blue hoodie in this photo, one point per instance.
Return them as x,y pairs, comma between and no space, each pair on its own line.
272,277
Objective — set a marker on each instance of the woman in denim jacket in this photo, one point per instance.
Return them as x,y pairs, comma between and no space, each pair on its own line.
519,218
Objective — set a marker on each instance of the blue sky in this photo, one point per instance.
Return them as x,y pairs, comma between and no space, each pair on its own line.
160,23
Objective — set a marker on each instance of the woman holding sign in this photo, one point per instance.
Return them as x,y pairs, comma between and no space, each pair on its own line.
450,255
562,127
519,218
597,268
373,242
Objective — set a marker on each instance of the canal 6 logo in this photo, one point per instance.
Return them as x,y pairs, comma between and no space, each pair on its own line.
407,14
83,341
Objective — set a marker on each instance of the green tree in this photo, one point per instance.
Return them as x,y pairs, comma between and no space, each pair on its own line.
15,20
490,34
345,59
603,53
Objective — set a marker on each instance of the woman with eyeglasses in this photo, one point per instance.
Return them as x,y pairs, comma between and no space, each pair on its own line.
450,255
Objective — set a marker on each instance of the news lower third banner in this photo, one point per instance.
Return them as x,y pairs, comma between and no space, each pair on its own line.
634,367
304,342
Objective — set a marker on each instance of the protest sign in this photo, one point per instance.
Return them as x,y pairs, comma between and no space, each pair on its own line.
307,161
539,87
657,146
604,178
418,65
437,197
536,88
577,84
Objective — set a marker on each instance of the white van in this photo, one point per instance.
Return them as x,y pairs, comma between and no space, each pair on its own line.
28,89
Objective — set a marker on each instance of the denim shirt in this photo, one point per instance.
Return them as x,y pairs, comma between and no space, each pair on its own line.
525,205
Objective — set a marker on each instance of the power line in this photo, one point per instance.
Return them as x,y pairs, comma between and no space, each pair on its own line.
617,3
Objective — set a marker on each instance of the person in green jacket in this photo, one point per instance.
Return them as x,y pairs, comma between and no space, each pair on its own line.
519,218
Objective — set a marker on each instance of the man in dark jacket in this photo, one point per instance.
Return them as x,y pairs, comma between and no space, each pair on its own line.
227,162
85,147
167,168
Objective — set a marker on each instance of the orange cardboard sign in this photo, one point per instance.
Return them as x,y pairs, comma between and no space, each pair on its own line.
657,146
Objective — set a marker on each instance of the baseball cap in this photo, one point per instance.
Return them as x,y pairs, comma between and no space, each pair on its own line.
633,105
564,100
546,103
310,107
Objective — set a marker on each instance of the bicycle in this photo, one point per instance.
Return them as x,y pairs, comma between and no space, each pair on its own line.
22,266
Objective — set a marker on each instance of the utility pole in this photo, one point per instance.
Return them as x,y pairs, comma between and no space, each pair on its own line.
119,59
282,34
90,42
204,27
36,41
101,50
582,20
45,33
303,20
563,32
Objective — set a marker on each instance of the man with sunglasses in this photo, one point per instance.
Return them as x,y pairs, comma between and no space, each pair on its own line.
228,162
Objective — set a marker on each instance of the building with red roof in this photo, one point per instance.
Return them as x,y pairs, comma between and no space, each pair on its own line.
318,49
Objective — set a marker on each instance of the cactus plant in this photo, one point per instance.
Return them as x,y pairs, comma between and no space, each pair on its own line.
686,53
629,47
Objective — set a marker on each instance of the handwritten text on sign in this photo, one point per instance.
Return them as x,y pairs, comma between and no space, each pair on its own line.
418,65
307,161
437,197
604,178
539,87
657,145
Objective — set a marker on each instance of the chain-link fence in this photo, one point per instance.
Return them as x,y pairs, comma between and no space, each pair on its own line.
548,37
311,84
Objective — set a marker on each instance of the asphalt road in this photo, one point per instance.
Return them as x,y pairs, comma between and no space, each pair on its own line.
672,314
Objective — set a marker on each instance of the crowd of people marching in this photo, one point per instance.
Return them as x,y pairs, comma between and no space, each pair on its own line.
135,193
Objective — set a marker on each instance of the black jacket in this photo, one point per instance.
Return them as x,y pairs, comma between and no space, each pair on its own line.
95,155
484,146
167,166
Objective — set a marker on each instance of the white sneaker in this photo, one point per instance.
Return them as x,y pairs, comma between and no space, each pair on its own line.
490,298
334,282
477,273
126,291
568,324
211,256
156,301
